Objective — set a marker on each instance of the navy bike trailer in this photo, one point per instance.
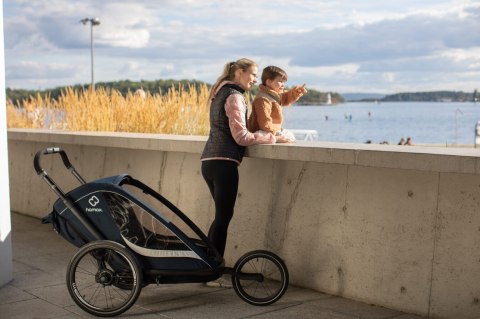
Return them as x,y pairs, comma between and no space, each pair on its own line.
130,236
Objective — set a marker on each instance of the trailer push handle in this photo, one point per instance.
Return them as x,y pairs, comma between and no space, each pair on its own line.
55,150
68,203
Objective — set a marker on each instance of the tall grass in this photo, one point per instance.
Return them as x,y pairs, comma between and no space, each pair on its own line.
180,111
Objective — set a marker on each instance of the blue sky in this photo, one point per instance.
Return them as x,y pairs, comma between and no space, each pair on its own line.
338,45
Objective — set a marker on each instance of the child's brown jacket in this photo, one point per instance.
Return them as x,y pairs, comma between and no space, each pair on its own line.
267,109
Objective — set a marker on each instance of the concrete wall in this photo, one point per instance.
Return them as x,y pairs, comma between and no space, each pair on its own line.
395,226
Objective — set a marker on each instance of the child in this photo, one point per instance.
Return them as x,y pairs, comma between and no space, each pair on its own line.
266,113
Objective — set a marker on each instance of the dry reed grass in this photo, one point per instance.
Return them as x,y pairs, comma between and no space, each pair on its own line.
180,111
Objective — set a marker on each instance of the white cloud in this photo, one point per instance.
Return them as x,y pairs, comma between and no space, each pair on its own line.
336,44
126,38
462,54
389,77
29,70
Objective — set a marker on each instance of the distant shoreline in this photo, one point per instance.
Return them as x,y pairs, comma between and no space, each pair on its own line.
381,102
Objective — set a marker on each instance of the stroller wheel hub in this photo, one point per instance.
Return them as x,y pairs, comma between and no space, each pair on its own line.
105,277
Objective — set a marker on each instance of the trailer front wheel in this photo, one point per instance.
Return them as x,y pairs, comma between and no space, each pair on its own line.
260,277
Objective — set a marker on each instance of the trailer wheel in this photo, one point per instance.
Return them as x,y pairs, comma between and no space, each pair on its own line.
104,279
260,278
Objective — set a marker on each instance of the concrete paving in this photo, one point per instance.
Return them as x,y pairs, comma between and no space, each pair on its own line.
38,290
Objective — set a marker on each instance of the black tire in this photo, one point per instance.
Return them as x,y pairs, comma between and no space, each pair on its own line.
267,288
104,279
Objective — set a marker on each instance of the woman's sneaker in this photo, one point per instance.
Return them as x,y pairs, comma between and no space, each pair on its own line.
223,282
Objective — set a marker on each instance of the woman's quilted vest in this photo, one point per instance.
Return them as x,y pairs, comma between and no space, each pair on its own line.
220,141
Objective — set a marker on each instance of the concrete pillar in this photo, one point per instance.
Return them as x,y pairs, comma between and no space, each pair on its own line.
5,223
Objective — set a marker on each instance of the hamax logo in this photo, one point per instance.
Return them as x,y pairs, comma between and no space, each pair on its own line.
93,201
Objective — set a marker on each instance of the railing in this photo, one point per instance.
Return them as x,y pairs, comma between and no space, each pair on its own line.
305,135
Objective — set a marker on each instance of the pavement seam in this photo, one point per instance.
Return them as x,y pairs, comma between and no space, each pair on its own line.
15,301
189,296
355,315
273,310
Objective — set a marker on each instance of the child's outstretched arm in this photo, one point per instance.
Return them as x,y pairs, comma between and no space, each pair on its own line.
293,95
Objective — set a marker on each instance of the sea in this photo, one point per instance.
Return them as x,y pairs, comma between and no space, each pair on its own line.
446,123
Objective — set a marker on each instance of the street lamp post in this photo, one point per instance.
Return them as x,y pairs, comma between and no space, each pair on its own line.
93,22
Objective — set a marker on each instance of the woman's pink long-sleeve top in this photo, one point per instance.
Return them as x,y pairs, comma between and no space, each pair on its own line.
235,109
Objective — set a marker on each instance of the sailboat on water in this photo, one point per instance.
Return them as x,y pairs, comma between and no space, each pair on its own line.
329,99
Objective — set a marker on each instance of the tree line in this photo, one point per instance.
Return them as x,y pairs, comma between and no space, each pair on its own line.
314,97
435,96
17,96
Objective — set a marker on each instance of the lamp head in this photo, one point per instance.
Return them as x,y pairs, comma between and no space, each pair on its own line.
93,21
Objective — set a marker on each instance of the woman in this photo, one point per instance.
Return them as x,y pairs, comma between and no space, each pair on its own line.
226,143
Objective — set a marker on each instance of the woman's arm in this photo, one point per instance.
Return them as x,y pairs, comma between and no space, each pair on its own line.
235,108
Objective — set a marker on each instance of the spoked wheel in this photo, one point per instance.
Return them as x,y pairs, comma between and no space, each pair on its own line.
104,279
260,278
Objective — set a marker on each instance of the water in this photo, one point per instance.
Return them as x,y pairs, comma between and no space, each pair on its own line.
424,122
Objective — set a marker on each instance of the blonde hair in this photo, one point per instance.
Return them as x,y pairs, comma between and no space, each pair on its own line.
228,74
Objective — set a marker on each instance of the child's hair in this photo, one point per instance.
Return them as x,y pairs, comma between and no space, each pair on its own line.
271,72
228,73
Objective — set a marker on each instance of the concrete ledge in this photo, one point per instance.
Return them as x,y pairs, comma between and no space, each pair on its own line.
395,226
139,141
438,159
388,156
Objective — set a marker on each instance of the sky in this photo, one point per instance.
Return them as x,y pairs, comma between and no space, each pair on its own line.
343,46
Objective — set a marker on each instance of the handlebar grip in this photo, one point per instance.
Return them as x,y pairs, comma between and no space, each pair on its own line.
52,150
47,151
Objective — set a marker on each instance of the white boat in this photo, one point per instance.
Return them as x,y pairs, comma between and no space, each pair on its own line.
329,99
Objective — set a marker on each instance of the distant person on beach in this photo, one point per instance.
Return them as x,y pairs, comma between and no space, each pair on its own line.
140,93
266,116
409,141
402,141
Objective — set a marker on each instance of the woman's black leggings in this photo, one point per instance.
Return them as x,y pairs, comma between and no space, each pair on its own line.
222,180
